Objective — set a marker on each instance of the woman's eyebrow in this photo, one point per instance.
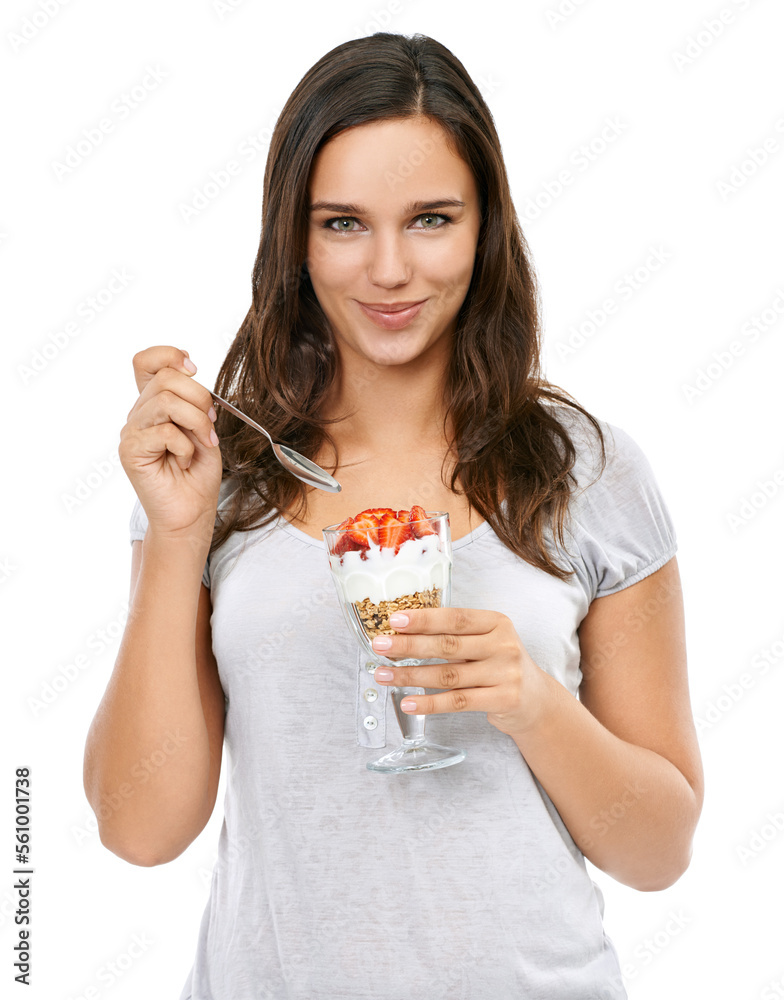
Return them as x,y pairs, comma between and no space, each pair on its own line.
413,206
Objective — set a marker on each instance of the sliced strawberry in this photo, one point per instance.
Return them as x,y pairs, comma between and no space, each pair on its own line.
419,523
377,512
364,531
344,543
392,534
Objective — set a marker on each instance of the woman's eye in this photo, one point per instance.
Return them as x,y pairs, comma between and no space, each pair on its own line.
430,218
341,228
345,224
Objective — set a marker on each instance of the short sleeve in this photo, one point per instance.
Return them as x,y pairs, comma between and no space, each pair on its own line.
138,528
619,521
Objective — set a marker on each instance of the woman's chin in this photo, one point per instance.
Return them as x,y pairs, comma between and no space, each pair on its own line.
394,356
399,347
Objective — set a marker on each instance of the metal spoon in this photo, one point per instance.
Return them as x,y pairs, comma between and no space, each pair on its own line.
296,464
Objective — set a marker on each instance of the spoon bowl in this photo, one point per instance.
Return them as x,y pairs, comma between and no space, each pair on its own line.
291,460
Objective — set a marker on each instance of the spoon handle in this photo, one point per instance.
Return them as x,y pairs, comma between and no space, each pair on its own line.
238,413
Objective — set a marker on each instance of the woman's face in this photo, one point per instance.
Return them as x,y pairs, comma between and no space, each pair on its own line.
384,230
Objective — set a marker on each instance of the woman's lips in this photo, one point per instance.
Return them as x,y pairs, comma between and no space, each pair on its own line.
391,320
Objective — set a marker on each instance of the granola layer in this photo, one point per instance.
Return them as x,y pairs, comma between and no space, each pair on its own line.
375,617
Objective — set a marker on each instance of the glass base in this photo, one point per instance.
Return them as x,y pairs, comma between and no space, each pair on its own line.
416,756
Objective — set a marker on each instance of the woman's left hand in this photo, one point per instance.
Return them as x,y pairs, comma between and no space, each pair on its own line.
489,669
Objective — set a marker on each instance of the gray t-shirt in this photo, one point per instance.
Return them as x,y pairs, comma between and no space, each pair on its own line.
460,883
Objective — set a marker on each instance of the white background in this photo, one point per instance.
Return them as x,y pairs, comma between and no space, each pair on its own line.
689,108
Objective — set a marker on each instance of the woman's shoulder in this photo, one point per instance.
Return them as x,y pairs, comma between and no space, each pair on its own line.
617,511
593,443
604,451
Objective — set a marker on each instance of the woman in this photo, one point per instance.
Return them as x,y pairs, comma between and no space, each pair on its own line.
394,339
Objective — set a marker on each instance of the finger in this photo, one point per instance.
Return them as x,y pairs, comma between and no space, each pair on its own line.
460,700
169,406
182,385
149,361
461,621
151,442
435,675
443,646
494,699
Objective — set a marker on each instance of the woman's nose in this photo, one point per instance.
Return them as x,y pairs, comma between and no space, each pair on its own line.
389,262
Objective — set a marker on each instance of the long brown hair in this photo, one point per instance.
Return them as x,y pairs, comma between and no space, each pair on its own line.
283,361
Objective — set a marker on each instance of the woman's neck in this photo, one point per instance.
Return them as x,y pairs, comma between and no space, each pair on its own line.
389,410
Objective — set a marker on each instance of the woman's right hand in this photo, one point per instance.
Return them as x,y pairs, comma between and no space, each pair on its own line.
165,446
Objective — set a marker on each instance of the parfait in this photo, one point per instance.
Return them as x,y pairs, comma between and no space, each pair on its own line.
383,561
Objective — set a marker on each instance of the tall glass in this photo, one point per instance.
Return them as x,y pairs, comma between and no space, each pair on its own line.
374,583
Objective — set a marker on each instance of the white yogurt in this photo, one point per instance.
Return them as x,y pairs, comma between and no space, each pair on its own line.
384,576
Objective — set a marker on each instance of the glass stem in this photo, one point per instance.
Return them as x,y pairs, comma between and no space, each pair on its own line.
411,726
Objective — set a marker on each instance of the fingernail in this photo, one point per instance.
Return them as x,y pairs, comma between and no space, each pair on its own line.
212,414
214,437
382,642
398,620
382,674
189,366
407,705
